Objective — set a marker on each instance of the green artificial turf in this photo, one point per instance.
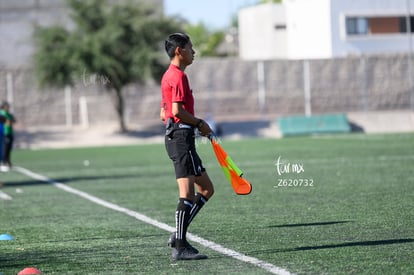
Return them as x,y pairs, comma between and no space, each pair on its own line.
339,204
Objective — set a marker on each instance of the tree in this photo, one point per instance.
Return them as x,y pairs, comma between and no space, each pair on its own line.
205,41
54,46
120,42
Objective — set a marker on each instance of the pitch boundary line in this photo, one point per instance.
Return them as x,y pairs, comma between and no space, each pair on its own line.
4,196
209,244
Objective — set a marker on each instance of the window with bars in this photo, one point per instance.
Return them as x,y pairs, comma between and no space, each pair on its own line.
364,25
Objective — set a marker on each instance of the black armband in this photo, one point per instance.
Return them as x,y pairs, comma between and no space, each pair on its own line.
200,124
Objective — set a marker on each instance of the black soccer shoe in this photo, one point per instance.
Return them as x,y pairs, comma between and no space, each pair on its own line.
185,253
171,243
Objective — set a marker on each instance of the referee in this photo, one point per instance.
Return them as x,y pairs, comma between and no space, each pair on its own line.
177,111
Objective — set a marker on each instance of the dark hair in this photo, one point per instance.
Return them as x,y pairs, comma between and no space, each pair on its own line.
175,40
4,104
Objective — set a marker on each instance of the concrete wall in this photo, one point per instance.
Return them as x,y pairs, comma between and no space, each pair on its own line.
18,20
17,23
228,89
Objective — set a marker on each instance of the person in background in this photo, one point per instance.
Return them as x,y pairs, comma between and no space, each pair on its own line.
2,121
8,135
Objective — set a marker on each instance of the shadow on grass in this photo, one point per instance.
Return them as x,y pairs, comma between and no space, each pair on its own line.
27,139
350,244
340,245
67,180
70,253
309,224
244,128
132,236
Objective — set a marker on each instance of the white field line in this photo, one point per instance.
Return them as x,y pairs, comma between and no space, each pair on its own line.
4,196
211,245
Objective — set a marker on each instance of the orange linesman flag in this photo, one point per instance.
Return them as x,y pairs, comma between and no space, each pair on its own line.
233,173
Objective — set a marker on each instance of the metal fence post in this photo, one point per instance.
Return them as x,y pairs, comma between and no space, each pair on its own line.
68,106
410,53
363,83
261,86
9,80
307,88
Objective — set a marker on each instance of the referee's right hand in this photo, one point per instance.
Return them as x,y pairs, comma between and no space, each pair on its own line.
205,129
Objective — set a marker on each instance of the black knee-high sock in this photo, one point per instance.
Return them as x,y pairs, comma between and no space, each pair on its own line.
182,215
199,202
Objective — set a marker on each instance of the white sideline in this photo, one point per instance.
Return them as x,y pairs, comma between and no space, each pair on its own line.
4,196
211,245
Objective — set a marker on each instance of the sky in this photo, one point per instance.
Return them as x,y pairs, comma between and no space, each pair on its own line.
215,14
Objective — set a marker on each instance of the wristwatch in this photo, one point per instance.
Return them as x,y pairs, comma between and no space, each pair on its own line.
200,124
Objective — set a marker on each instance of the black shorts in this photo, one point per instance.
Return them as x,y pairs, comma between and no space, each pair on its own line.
180,146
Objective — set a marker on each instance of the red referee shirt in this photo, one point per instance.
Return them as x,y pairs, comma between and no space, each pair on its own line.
176,88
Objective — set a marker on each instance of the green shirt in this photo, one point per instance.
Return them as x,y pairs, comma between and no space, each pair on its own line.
8,126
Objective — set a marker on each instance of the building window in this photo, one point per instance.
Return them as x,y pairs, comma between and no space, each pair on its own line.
403,24
363,25
280,26
356,25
